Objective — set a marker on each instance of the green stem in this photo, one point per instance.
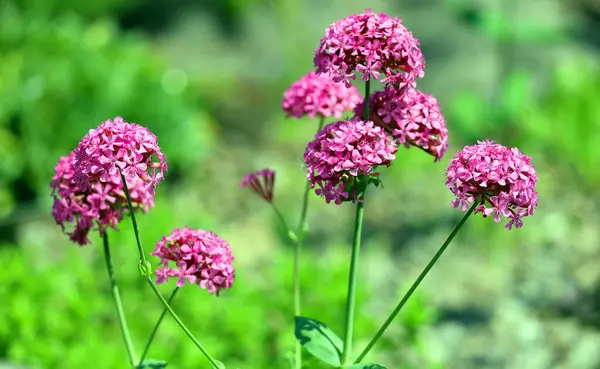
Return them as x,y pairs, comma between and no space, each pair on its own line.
282,222
215,363
418,281
367,100
144,265
301,234
146,270
352,279
160,319
118,303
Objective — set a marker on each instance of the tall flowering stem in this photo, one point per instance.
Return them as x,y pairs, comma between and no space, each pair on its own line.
354,258
367,99
145,268
215,364
416,283
155,329
118,303
352,279
298,243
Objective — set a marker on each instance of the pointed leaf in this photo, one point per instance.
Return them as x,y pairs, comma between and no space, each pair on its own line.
364,366
319,340
152,364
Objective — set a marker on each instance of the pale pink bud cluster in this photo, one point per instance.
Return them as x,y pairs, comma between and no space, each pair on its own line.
117,146
318,95
261,182
199,257
502,178
411,116
102,205
341,152
371,44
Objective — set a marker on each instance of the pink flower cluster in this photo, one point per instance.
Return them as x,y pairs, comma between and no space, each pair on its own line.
411,116
117,146
502,178
344,150
200,257
318,95
261,182
370,44
101,205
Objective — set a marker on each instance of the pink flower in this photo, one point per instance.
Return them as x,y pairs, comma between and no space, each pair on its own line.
411,116
502,178
318,95
117,146
370,44
343,151
200,257
261,182
102,205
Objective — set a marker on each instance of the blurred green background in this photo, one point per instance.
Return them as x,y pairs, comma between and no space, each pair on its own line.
208,77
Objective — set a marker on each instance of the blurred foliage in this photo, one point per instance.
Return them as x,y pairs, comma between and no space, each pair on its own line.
60,76
207,77
67,320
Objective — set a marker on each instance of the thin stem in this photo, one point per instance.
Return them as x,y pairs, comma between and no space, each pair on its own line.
301,235
118,304
282,221
302,223
367,100
214,362
146,271
416,283
143,262
155,329
352,279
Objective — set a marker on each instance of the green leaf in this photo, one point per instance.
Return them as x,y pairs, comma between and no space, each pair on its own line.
364,366
319,340
152,364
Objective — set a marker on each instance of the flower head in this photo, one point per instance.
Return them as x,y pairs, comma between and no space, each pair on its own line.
411,116
502,179
372,44
102,205
343,151
198,256
261,182
117,146
318,95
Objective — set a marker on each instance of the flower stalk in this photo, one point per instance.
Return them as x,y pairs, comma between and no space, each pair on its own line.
416,284
155,329
349,325
146,271
118,304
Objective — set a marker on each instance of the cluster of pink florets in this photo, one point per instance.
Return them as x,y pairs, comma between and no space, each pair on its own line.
117,146
88,191
343,151
101,206
502,179
370,44
411,116
200,257
318,95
